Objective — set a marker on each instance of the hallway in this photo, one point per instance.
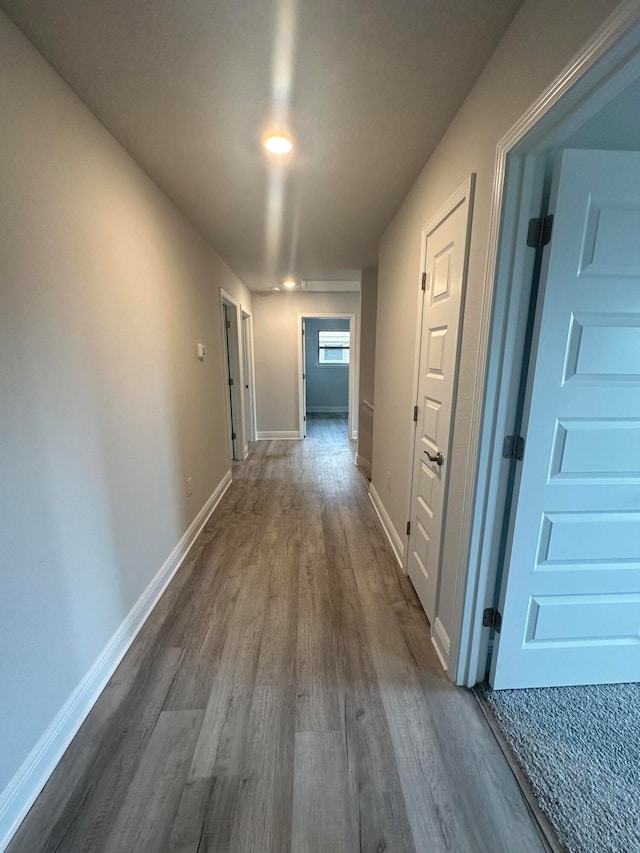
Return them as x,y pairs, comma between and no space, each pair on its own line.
284,695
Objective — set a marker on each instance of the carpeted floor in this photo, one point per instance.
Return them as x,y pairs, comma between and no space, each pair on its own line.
580,749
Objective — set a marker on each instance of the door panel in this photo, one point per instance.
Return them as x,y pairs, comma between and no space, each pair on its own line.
304,381
445,266
228,344
571,601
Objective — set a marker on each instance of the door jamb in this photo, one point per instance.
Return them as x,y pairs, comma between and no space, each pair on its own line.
602,69
353,363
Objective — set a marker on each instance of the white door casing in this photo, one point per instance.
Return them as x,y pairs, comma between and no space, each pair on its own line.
571,597
446,243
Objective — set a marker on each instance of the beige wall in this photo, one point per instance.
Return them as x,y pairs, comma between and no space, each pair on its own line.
104,291
368,311
540,41
275,335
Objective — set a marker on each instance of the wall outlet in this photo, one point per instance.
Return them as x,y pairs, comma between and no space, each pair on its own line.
388,481
201,351
189,486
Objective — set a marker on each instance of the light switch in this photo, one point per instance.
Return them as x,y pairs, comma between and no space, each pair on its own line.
200,351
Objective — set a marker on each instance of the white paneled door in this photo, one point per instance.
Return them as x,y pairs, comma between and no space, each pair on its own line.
445,268
571,601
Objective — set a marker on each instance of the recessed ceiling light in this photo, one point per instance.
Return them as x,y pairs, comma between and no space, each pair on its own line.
275,290
289,283
278,144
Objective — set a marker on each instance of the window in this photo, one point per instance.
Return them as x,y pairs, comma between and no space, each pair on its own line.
334,347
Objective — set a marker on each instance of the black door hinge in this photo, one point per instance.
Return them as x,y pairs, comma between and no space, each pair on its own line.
424,281
415,414
408,527
233,436
228,324
492,618
513,447
230,381
539,233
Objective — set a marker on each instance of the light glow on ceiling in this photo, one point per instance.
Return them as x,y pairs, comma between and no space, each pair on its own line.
289,284
278,144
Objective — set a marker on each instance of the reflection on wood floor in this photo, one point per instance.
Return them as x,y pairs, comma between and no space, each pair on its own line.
284,695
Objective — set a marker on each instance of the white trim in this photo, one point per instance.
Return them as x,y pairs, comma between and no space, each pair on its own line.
396,543
441,643
364,465
354,363
598,71
336,410
22,790
280,435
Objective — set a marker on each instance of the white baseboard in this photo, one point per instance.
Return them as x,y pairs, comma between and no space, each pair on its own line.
397,545
21,792
364,464
246,451
279,435
329,410
441,643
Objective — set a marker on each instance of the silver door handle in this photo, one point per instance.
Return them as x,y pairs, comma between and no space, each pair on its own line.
439,458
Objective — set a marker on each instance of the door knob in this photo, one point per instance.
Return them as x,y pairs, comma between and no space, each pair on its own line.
439,458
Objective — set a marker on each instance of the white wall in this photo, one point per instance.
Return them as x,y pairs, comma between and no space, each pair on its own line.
275,334
327,384
540,41
104,291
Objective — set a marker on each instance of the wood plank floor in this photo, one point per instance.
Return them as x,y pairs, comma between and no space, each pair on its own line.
284,695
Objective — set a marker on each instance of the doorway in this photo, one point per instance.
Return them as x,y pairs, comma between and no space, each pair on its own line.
248,372
327,357
445,259
604,73
231,313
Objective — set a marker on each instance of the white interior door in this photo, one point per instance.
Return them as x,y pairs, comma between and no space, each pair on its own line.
230,349
246,365
571,599
304,380
445,266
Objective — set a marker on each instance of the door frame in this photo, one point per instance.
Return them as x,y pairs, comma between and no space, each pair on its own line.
602,69
236,365
352,421
463,196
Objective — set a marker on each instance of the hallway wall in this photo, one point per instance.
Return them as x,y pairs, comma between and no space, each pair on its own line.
105,290
327,386
275,331
542,38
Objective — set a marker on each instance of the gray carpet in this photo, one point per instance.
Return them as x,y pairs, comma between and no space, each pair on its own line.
580,749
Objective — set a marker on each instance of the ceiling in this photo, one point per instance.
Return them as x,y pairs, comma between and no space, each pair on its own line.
365,88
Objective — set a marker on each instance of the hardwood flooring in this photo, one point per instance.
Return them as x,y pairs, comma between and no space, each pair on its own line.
284,695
